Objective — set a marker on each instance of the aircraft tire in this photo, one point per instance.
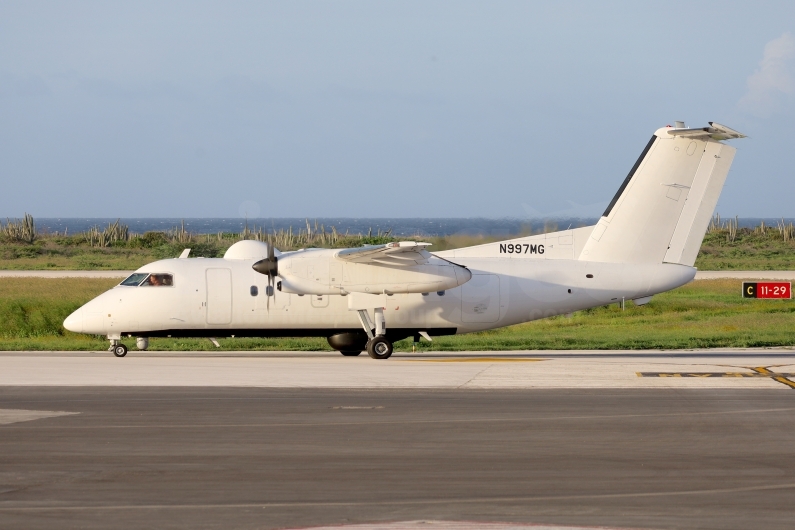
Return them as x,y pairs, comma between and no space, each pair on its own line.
379,348
350,353
120,350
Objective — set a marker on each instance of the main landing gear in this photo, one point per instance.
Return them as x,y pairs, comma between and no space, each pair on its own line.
378,346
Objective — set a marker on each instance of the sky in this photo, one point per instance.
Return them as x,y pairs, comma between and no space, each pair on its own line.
380,109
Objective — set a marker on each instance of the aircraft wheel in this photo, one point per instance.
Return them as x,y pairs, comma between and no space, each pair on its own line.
120,350
350,353
379,348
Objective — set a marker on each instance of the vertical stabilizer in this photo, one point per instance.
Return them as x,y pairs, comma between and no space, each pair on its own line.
662,209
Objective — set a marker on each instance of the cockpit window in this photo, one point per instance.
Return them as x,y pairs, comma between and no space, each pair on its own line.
134,279
158,280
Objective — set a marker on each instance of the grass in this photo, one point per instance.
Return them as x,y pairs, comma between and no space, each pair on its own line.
703,314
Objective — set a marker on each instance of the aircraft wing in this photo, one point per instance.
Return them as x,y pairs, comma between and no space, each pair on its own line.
403,253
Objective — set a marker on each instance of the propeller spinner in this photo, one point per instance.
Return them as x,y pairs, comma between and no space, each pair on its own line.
270,268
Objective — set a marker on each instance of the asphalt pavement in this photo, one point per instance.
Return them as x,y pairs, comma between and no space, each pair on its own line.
246,457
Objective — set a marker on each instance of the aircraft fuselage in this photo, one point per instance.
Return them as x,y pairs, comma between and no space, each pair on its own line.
221,297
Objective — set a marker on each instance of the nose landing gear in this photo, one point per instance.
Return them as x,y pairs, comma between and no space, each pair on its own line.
117,348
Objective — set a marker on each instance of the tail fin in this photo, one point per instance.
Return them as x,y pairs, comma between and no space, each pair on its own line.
662,209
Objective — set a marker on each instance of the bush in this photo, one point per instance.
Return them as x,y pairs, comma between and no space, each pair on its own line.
152,239
204,250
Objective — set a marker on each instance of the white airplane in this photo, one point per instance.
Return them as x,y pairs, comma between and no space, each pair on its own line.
366,298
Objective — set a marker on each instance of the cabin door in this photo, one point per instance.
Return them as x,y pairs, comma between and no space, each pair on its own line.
219,296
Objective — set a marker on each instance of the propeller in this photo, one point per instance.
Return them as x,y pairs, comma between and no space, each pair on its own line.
270,268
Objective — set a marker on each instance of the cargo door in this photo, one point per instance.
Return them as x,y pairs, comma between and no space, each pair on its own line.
219,296
320,300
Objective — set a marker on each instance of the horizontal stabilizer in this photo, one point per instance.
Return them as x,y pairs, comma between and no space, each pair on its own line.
403,253
716,131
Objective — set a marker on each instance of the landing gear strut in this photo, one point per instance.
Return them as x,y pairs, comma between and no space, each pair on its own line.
378,346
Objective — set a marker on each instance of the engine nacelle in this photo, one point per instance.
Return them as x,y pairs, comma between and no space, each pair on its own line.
319,272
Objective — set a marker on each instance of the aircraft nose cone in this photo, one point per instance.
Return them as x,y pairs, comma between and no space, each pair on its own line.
74,322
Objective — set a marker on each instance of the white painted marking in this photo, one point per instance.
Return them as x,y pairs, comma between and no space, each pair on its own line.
17,415
458,525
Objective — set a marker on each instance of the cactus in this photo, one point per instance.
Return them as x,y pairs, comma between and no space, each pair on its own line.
23,230
731,226
113,233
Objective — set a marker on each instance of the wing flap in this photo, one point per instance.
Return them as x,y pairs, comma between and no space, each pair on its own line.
401,254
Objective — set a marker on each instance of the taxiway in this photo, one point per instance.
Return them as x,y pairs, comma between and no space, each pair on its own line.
275,440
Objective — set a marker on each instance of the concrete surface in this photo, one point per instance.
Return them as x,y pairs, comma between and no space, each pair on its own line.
700,275
64,274
730,369
211,457
746,275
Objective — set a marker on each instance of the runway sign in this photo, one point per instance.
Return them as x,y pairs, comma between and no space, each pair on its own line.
767,290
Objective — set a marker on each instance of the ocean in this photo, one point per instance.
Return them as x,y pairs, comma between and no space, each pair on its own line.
397,226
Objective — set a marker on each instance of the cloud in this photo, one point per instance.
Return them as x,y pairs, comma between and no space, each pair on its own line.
772,86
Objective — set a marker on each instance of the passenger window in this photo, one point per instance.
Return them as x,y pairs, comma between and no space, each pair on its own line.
159,280
254,290
134,279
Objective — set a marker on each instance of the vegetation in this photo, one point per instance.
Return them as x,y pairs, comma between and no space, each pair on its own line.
707,313
115,248
763,247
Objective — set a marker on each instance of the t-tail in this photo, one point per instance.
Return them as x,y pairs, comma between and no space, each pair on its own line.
662,209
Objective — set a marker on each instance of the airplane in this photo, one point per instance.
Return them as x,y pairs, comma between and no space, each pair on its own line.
367,298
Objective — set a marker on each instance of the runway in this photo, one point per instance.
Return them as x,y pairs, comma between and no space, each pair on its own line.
288,440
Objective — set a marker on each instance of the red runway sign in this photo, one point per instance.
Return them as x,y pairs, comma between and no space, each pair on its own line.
767,290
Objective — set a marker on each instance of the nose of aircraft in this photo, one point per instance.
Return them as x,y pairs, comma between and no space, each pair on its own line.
74,322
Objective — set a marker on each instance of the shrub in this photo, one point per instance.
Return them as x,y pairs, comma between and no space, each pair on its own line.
152,239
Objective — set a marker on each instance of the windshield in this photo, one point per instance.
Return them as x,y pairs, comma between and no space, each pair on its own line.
158,280
134,279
